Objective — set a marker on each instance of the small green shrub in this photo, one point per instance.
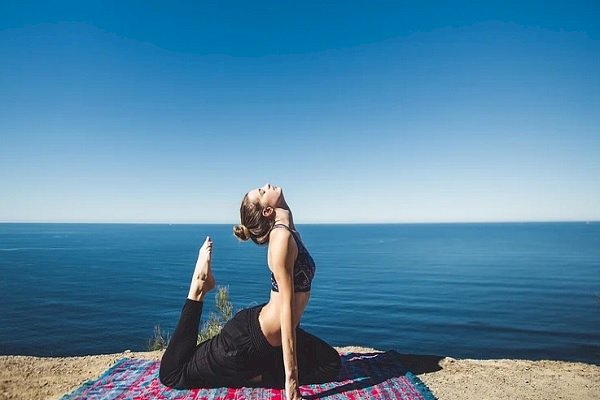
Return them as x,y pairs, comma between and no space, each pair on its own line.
211,327
215,322
159,341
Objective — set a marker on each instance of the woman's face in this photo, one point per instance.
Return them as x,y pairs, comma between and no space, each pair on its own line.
267,196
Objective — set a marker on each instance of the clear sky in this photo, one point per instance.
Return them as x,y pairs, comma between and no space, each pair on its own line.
148,111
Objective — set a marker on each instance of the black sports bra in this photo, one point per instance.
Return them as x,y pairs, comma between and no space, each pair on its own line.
304,267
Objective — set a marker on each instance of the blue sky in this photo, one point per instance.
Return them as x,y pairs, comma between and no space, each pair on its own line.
362,111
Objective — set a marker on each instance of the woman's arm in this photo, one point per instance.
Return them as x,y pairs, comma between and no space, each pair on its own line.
283,252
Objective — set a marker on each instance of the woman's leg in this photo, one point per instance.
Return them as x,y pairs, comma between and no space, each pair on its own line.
318,362
182,345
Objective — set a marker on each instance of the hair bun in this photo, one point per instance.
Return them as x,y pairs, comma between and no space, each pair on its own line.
241,232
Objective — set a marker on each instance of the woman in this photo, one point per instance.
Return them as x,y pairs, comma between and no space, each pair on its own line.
264,344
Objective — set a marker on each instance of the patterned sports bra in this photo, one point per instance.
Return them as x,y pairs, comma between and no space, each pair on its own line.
304,266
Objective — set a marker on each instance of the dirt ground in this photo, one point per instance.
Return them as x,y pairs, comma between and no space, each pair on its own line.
25,377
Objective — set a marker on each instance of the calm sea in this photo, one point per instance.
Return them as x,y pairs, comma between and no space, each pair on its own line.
499,290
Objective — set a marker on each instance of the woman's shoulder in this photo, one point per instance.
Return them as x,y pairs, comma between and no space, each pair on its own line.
282,238
279,235
284,226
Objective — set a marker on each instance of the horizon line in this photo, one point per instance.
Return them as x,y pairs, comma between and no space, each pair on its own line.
305,223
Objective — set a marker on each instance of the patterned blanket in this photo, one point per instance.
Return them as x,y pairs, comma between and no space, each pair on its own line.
362,376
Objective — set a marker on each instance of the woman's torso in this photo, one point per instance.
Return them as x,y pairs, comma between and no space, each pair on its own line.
270,315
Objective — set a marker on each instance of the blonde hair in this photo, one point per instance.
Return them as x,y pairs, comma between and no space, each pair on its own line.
254,225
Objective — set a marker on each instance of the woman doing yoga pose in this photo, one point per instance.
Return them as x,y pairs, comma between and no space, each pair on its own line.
261,345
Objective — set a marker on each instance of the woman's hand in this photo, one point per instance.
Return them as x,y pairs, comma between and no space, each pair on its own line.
291,390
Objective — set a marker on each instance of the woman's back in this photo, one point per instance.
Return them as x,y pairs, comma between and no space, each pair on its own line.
270,315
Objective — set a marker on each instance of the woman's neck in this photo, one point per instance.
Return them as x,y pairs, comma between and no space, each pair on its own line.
284,216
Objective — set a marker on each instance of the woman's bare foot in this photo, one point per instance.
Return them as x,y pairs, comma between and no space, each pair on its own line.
203,280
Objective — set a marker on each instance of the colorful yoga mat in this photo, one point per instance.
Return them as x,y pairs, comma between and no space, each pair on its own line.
362,376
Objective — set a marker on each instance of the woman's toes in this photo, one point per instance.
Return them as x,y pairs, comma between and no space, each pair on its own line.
202,280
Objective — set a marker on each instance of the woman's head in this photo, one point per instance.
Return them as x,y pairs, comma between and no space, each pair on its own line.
257,213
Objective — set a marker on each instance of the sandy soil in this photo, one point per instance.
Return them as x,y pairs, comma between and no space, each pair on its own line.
514,379
24,377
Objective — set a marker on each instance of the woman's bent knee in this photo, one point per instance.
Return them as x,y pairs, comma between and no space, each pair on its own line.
327,363
331,367
168,376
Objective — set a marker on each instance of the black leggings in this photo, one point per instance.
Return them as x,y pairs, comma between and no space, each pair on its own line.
238,353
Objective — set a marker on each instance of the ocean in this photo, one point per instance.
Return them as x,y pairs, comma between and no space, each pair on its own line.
465,290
